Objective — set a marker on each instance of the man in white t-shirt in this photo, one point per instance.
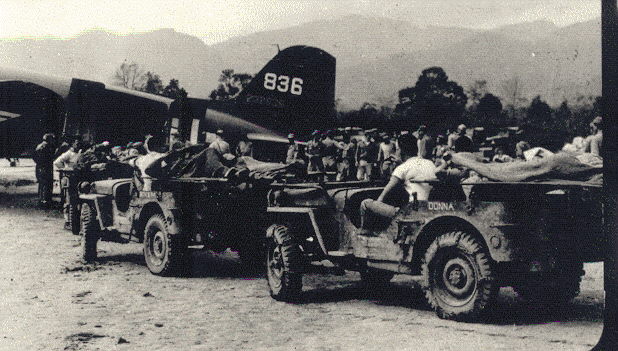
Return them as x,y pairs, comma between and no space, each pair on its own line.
407,174
142,162
69,158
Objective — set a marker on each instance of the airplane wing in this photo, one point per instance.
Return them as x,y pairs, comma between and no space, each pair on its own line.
37,104
267,137
294,92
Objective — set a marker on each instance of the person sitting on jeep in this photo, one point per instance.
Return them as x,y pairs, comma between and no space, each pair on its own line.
155,150
413,169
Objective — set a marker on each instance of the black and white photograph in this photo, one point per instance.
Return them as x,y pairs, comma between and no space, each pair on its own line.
308,175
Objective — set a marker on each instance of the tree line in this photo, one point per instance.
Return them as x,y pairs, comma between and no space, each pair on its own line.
434,100
132,76
441,104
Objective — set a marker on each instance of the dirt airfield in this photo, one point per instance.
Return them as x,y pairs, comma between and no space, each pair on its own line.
49,300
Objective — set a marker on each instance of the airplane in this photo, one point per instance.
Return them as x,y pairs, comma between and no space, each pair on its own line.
294,92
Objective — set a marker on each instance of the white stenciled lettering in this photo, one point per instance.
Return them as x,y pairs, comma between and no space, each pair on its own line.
440,206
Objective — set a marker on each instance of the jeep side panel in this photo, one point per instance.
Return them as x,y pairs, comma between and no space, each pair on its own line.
148,203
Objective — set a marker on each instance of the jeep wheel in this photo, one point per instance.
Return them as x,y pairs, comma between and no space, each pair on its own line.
283,264
458,279
90,232
73,214
165,254
375,279
554,289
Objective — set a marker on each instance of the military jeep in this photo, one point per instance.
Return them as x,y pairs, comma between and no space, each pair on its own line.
174,214
463,245
70,180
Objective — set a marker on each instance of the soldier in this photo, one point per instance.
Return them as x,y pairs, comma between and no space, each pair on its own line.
65,145
425,143
244,147
386,157
293,154
413,169
68,159
458,141
440,148
69,196
313,151
44,157
220,144
154,151
594,141
345,159
329,152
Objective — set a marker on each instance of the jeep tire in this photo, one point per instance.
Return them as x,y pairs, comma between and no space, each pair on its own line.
73,214
90,232
458,277
283,265
165,254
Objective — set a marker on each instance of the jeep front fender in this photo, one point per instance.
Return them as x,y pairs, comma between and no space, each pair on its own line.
103,206
304,214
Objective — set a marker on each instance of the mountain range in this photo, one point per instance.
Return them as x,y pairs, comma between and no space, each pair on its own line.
376,56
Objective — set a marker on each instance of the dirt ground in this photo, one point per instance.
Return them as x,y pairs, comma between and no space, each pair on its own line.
51,301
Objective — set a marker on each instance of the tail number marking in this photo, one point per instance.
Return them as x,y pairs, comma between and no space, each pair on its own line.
282,83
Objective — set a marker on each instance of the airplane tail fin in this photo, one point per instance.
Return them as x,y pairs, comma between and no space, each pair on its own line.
294,92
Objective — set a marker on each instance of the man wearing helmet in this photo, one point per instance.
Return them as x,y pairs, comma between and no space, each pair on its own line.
44,158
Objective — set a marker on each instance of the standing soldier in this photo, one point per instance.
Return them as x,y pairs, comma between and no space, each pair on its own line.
345,159
68,159
424,143
373,148
363,166
386,157
68,187
459,142
293,154
329,152
312,150
44,158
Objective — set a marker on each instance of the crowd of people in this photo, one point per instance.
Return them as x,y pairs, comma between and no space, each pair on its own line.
373,155
365,155
349,154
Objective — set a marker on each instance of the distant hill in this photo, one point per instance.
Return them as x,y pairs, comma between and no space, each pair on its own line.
96,55
562,64
351,39
375,56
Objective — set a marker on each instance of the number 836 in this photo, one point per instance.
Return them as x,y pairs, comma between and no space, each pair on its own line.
283,83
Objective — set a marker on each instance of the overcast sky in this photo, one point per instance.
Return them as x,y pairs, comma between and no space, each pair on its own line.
214,20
